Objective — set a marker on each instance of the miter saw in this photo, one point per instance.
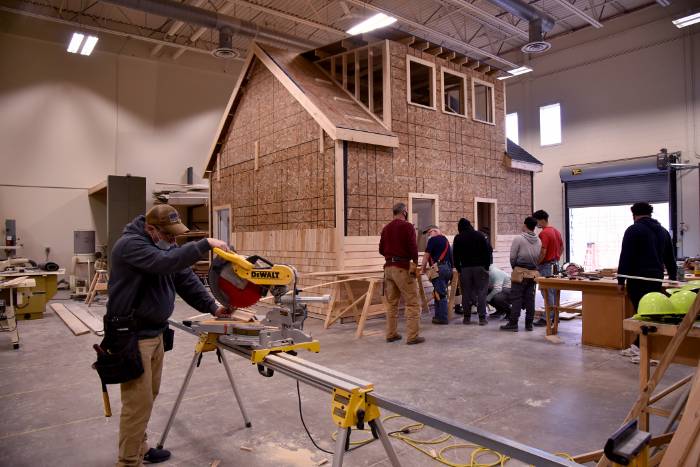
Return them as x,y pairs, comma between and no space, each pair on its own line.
239,282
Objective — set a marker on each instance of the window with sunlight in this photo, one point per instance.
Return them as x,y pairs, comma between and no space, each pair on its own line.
550,125
512,127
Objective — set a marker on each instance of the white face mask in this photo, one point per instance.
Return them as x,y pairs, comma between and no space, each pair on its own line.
164,245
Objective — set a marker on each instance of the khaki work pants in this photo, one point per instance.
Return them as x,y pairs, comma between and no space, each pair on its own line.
138,396
397,283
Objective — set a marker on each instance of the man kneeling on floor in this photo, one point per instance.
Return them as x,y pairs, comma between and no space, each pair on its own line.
147,271
437,264
499,292
524,252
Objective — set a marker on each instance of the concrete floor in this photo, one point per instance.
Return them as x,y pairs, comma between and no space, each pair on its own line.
554,397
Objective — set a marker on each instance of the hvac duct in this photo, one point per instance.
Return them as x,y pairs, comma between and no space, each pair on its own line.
539,23
213,20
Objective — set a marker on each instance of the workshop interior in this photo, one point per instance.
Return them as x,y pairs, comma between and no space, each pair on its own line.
458,233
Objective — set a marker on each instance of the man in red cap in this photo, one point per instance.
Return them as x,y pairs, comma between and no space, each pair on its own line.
147,270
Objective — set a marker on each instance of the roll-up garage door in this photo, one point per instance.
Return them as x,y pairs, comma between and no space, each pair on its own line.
652,188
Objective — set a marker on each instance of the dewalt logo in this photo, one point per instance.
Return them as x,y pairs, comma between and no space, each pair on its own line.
264,275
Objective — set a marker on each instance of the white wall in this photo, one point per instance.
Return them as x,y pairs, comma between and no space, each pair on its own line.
626,90
68,121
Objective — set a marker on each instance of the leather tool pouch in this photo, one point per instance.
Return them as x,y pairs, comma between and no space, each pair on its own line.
119,358
519,274
433,271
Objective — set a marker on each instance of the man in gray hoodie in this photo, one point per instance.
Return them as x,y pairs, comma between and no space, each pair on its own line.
524,252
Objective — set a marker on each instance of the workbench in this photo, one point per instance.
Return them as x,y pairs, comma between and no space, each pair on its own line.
14,294
42,292
653,341
603,310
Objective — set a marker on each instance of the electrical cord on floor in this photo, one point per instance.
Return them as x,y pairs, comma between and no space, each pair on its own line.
301,416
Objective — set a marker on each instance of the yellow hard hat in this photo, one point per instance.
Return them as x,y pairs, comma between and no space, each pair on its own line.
655,303
682,301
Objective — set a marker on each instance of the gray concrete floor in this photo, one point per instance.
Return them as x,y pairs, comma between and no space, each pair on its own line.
565,397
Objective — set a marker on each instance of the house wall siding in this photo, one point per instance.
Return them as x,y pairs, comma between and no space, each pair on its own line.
454,157
293,185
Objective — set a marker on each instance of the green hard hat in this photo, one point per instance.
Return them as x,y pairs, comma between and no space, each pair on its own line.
682,301
655,303
672,291
691,287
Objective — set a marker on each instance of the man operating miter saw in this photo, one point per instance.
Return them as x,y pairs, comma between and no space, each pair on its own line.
148,269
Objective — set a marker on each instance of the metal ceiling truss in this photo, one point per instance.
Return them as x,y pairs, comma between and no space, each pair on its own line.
472,27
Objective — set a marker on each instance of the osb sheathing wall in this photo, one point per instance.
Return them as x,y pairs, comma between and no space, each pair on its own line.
454,157
292,187
284,210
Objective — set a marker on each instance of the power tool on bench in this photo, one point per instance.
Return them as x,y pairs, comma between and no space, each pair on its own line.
240,282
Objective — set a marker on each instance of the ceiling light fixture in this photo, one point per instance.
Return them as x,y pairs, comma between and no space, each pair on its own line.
75,42
377,21
88,44
515,72
687,20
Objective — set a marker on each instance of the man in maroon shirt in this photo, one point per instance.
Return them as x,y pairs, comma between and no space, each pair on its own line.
399,248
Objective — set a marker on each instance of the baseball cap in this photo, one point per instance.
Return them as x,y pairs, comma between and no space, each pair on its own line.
429,228
167,218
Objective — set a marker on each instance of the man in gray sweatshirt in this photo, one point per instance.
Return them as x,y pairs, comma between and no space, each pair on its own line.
524,252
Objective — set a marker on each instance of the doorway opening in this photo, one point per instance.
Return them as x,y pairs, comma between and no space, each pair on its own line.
485,218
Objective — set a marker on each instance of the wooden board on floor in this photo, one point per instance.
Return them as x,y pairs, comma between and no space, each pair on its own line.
74,324
95,324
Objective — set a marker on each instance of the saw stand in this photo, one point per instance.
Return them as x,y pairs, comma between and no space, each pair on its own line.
207,342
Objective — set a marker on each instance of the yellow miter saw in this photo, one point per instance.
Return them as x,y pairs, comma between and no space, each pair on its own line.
239,282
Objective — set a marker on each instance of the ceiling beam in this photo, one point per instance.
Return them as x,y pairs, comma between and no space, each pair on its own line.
487,19
580,13
428,30
105,30
291,17
174,28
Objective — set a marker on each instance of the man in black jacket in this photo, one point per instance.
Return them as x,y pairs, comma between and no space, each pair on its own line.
646,249
472,258
147,271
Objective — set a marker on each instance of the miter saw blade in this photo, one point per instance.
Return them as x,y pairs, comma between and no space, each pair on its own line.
229,289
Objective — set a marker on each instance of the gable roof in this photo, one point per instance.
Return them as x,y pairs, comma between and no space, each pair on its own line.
340,116
518,158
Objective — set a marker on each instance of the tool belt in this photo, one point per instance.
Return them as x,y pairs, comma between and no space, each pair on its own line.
434,269
521,274
118,355
397,259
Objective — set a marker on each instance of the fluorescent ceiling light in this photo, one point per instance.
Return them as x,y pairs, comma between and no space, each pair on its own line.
75,42
520,71
89,45
687,20
377,21
515,72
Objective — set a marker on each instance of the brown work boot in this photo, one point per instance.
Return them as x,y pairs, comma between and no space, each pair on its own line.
417,340
394,338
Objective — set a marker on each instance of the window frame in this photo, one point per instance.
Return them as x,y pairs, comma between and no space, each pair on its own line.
561,135
435,198
476,81
433,90
215,224
494,211
464,88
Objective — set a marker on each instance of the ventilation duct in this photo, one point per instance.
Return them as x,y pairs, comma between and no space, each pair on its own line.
225,48
538,21
213,20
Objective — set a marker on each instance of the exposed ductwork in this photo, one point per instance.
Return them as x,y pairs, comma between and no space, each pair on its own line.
213,20
539,23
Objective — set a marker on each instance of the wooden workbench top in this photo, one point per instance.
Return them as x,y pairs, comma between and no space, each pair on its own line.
37,272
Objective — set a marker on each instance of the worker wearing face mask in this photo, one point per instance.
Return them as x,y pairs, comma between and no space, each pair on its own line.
147,270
